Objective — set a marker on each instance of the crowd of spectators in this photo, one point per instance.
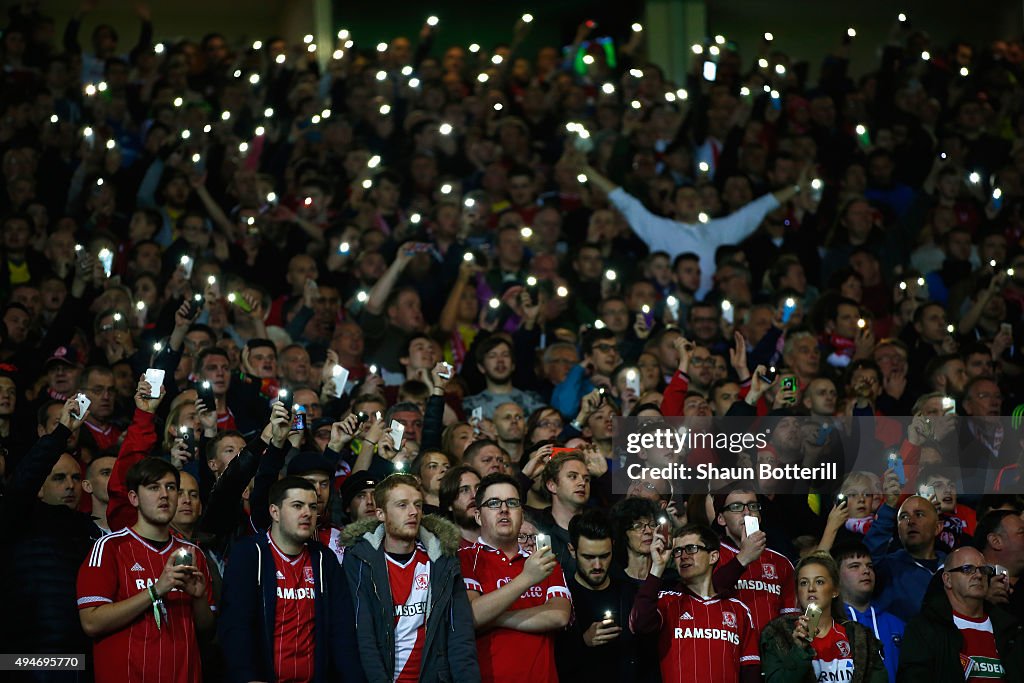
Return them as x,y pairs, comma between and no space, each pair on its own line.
311,356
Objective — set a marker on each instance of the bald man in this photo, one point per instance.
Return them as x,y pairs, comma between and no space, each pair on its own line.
958,636
904,573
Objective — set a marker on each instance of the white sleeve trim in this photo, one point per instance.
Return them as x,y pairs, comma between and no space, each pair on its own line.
473,585
558,592
89,599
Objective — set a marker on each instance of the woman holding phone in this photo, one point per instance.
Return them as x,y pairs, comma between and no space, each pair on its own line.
820,644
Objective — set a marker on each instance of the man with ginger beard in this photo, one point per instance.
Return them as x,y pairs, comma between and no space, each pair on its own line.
596,646
404,564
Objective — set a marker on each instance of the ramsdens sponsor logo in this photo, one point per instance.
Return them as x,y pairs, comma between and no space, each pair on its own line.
747,584
708,634
295,593
410,610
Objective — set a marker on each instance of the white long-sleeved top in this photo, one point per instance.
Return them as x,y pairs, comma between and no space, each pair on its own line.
673,237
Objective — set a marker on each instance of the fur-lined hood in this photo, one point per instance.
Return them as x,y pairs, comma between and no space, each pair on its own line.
437,534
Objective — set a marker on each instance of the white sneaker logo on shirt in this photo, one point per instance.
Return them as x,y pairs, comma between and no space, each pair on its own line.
138,568
687,615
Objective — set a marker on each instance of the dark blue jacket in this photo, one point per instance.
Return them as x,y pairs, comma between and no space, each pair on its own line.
246,623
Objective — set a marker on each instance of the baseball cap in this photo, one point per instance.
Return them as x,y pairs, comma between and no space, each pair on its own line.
353,484
62,354
310,461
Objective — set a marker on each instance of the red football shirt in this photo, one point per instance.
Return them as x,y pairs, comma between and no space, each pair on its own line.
105,437
294,616
506,655
704,640
978,656
410,590
120,566
767,586
832,659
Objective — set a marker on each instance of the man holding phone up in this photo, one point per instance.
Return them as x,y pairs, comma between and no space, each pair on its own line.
143,594
763,578
518,600
702,636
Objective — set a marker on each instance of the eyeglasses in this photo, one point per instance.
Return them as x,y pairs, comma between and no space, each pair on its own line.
689,549
986,570
739,507
550,424
640,525
604,348
496,503
523,538
701,362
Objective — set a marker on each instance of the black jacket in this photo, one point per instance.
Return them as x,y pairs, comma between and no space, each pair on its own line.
783,662
930,652
449,646
246,623
43,546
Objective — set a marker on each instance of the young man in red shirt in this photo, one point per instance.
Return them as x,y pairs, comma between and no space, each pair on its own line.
763,578
518,601
702,636
287,613
414,620
143,595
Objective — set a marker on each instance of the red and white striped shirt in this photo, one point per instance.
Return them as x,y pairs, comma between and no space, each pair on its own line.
767,586
294,616
704,640
121,565
410,590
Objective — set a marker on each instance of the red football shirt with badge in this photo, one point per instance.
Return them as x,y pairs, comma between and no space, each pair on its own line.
294,616
832,659
410,589
120,566
506,655
767,586
704,640
978,655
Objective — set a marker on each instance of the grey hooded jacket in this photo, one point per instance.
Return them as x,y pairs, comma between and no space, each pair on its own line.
449,646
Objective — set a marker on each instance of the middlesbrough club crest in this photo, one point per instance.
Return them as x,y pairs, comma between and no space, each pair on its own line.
307,574
843,647
729,619
421,581
769,571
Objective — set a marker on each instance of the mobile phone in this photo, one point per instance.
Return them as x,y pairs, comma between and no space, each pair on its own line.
447,372
188,437
788,308
183,558
155,377
106,257
532,288
205,392
543,541
298,418
769,377
813,614
789,384
362,417
340,376
83,405
710,71
633,380
195,306
397,433
840,499
948,405
673,307
493,310
895,463
477,415
648,316
728,313
751,525
237,300
186,265
927,492
608,617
